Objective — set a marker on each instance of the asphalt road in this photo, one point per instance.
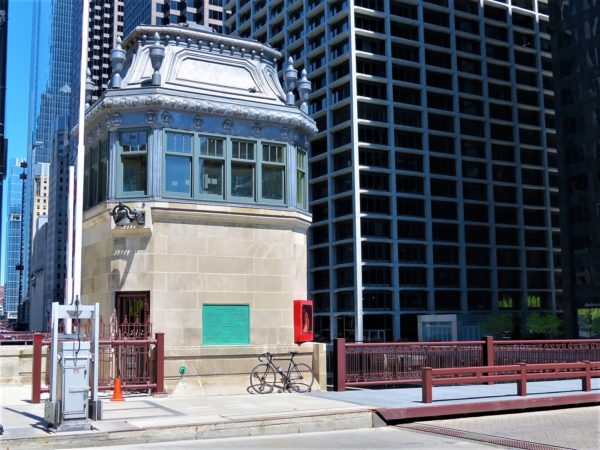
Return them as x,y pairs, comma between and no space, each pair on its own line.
571,428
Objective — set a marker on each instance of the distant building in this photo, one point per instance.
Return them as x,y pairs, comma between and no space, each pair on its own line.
3,140
164,12
14,241
41,175
577,85
434,185
2,287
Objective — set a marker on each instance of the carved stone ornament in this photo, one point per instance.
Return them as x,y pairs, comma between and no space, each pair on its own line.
199,122
150,117
290,119
99,130
257,129
114,121
166,118
227,125
284,132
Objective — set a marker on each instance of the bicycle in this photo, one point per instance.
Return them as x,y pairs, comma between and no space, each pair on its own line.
297,378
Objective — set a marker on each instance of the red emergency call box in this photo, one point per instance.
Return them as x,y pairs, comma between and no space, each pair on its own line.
303,321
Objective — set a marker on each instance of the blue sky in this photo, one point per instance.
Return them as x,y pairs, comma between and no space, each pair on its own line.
17,88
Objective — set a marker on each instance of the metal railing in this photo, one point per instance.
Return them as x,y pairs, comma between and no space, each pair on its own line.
376,364
127,351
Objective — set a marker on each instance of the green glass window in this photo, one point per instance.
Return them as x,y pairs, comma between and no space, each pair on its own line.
211,166
242,169
273,172
301,180
133,163
178,163
95,173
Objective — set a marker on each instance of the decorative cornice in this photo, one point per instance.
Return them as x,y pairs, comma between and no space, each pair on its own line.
109,105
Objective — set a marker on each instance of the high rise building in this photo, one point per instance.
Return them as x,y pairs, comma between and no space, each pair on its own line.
3,140
41,173
55,250
434,186
51,93
57,94
14,240
577,85
164,12
105,26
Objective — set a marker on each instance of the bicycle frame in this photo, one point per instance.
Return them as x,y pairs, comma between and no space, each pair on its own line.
284,376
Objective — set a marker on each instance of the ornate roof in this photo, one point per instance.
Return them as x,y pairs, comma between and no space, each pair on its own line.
195,69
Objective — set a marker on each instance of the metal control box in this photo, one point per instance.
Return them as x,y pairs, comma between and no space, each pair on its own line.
72,383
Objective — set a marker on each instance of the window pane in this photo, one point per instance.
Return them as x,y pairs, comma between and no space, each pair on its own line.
180,143
211,147
178,174
272,182
301,183
211,177
134,141
242,150
242,180
273,153
134,173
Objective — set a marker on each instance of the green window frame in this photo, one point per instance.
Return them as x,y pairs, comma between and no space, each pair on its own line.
215,167
178,157
273,173
301,179
95,173
243,170
132,163
211,167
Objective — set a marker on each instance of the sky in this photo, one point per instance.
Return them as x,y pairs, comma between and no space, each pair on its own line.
17,90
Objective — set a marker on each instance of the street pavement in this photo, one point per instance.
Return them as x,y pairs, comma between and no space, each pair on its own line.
142,419
567,428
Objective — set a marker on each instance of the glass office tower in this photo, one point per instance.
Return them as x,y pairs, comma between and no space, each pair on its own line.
12,275
576,52
434,187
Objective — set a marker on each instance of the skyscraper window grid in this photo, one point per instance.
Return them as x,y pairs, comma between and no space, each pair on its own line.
433,178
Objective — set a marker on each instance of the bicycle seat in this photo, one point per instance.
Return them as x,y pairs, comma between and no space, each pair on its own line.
293,354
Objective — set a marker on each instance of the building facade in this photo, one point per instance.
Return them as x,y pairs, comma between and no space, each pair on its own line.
434,186
195,196
163,12
3,140
14,240
576,53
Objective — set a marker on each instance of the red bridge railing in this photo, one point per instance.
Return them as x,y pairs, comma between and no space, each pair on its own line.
388,363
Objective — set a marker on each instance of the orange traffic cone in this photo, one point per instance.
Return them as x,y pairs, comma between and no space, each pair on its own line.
117,394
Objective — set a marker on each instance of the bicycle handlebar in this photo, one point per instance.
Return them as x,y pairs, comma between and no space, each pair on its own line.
269,356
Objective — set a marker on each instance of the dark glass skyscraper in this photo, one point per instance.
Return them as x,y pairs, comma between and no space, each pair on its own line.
576,52
434,186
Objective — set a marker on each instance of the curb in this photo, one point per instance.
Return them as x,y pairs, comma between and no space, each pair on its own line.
123,433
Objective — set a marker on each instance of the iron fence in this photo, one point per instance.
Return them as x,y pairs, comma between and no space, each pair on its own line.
127,351
372,364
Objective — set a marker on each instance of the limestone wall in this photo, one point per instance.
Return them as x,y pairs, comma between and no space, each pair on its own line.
190,255
16,364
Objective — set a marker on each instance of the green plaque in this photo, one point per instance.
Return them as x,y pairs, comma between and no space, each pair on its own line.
225,324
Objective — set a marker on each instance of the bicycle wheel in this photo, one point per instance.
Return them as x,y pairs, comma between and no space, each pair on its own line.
262,379
301,378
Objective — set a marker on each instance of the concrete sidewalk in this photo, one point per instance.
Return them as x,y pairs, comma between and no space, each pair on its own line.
141,419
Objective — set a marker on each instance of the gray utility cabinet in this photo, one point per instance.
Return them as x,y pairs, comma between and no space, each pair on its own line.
73,379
